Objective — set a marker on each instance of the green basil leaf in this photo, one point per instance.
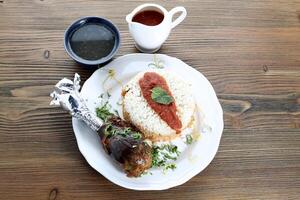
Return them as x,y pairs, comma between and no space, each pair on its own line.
159,95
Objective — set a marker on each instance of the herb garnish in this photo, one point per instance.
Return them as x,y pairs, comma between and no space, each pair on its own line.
112,130
189,139
136,135
170,166
104,113
162,156
159,95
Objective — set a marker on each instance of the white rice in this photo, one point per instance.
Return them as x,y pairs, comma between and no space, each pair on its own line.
137,110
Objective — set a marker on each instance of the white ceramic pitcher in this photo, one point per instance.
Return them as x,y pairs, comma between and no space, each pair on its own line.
149,39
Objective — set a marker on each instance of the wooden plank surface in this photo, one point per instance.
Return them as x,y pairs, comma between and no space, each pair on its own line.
249,50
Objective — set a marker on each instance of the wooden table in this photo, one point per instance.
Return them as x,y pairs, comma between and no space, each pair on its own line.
249,50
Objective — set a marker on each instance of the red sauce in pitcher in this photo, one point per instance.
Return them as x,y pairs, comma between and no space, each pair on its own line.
148,17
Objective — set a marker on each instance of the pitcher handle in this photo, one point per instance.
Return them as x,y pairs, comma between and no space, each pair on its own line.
180,18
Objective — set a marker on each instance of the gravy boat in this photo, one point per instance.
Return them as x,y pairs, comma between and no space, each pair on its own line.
149,39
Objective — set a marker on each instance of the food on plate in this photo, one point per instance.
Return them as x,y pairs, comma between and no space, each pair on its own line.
159,104
124,143
119,138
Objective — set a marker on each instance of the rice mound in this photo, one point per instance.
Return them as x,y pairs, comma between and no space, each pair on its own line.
138,112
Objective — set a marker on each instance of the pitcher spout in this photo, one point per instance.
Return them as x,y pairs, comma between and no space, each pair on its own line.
129,18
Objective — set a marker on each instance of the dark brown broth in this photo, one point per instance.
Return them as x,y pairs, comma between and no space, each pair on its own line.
148,17
92,41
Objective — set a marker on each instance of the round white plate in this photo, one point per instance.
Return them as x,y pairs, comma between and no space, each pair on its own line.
192,160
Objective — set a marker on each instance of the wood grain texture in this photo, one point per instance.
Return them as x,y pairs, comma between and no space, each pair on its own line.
249,50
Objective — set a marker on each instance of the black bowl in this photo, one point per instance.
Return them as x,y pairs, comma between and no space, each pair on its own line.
95,20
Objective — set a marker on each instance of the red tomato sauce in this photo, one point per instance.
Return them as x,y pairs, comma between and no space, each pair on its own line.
166,112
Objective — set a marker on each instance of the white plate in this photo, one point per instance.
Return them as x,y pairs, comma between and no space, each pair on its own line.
192,160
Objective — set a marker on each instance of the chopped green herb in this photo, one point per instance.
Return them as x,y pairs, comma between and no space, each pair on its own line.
170,166
108,129
103,112
136,135
159,95
163,155
111,130
189,139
